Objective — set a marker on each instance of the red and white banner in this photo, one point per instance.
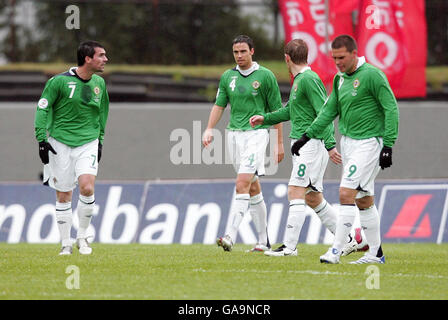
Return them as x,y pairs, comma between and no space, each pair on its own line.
307,20
384,34
391,34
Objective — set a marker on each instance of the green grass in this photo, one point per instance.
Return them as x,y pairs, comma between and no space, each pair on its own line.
198,272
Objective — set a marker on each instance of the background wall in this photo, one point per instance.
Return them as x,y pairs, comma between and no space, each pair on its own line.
138,146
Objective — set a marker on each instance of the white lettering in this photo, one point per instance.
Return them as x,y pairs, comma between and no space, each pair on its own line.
166,228
112,211
17,214
180,152
392,50
194,213
35,225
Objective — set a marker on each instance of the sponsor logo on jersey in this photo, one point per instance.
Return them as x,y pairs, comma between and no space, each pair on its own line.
255,84
43,103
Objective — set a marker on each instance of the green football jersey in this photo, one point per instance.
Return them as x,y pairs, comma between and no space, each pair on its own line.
249,95
306,99
74,111
365,104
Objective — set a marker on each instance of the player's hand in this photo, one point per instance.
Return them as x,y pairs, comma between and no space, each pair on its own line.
207,137
386,157
256,120
279,152
299,144
335,156
100,151
44,148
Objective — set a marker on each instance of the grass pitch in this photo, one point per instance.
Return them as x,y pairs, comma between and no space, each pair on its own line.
206,272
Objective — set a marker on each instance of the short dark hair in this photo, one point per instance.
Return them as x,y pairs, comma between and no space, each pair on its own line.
87,49
344,41
244,39
297,49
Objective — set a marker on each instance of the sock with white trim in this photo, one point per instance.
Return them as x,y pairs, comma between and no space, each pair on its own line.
296,218
258,212
64,221
239,209
346,218
328,215
86,204
370,223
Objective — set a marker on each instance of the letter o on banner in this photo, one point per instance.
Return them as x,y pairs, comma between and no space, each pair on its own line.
392,50
311,43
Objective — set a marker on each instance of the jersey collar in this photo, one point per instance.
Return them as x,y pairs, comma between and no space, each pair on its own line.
72,71
255,66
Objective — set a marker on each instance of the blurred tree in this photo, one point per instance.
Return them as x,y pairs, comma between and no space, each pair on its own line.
149,32
437,29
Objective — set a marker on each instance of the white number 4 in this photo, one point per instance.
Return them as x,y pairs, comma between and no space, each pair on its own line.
73,87
232,84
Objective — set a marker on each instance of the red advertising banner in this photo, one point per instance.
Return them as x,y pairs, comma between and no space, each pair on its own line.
391,34
384,34
307,20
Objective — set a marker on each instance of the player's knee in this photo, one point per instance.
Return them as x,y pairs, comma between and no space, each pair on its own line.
365,202
87,189
313,199
242,186
347,196
64,197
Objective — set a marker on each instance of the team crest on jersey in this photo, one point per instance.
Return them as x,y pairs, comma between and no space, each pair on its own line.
296,87
255,84
96,90
356,83
43,103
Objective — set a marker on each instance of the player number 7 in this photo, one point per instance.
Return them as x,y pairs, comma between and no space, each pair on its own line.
73,87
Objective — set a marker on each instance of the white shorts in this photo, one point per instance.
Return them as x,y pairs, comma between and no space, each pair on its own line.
308,169
360,159
69,163
247,150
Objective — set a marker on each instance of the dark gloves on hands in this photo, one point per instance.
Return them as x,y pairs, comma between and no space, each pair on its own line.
100,151
299,144
44,147
386,157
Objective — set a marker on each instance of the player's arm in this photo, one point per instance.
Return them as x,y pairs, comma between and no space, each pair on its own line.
384,95
386,98
326,115
48,98
104,113
271,118
45,104
218,108
317,95
274,101
215,116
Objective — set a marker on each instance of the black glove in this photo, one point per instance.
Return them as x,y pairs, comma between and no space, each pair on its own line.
100,151
386,157
299,144
44,147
